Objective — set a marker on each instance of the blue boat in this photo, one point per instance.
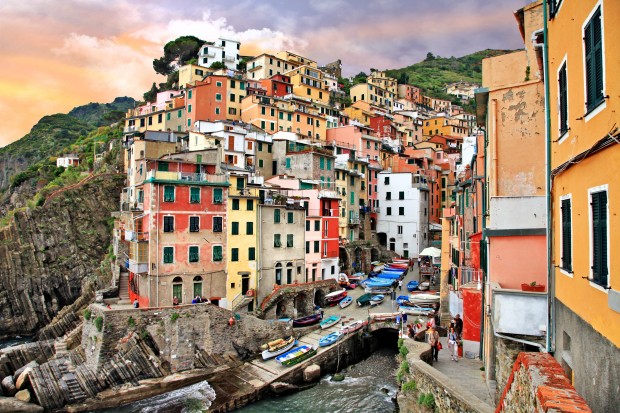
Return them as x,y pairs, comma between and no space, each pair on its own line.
330,321
330,339
402,299
377,299
390,275
382,283
345,301
395,269
412,285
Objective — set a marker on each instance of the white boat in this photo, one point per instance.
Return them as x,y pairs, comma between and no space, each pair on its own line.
378,290
278,347
345,302
377,299
424,286
419,299
415,310
351,327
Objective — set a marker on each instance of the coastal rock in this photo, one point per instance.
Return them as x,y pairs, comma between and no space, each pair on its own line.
12,405
279,387
23,395
20,370
24,378
312,373
9,386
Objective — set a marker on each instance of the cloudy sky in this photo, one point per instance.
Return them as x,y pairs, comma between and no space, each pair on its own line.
58,54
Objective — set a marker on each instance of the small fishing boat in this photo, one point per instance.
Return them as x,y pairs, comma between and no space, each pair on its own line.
358,276
307,320
345,302
424,285
394,266
422,298
377,299
364,299
378,290
296,355
400,261
277,347
335,297
376,266
412,285
379,282
384,316
330,321
330,339
398,265
354,326
389,275
415,310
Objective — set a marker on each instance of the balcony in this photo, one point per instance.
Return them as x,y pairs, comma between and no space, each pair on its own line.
185,177
328,193
519,312
133,236
138,267
229,59
130,129
354,221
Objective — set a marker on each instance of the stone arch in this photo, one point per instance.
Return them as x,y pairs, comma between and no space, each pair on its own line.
289,272
382,237
374,254
357,258
319,297
278,270
177,290
300,304
197,286
345,260
281,309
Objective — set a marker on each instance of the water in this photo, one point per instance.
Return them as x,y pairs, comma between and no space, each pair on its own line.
369,386
14,341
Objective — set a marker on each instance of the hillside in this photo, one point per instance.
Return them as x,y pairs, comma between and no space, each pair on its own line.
100,114
435,72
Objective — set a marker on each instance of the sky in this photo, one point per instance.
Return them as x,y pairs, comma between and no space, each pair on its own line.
58,54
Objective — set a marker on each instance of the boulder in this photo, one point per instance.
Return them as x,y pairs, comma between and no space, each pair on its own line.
312,373
20,370
23,395
279,387
12,405
9,386
24,379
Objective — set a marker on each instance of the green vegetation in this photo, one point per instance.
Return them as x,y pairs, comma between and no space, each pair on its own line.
99,323
174,317
103,114
410,386
180,51
87,314
427,400
404,366
403,350
131,322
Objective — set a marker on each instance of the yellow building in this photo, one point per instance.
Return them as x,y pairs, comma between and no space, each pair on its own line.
379,90
307,83
584,55
445,125
380,79
242,211
189,74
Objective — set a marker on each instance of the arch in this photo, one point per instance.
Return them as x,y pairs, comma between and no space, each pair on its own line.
373,224
299,302
278,279
289,272
357,258
392,244
280,309
382,236
177,290
197,291
319,297
344,258
374,254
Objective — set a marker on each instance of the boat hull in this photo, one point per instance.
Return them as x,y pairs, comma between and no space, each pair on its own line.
330,321
354,326
296,355
308,320
330,339
271,354
345,302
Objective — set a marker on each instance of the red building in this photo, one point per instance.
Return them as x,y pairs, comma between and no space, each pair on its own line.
277,85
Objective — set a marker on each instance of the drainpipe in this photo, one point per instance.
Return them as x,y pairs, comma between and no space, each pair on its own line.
494,159
550,279
484,242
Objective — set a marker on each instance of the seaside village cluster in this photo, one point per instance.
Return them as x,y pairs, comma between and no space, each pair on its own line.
242,181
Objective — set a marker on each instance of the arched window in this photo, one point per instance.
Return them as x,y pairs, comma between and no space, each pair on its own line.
279,274
197,286
289,273
177,289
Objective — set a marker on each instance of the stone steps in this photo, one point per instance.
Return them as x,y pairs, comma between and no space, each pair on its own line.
123,286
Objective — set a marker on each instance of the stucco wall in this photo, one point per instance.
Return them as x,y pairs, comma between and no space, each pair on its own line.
515,260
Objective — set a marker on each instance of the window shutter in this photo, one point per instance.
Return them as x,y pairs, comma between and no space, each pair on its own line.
566,235
235,228
217,195
276,216
217,253
193,254
599,237
562,84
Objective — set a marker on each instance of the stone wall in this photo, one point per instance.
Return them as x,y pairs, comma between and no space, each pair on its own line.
506,353
295,300
448,395
537,384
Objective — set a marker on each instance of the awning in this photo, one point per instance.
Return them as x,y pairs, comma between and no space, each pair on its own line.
430,252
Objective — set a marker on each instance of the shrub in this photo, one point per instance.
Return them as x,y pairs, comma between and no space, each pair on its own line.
87,314
400,342
403,351
428,400
174,317
131,322
99,323
410,386
404,366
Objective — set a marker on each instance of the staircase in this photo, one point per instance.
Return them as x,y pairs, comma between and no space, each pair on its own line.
241,303
123,287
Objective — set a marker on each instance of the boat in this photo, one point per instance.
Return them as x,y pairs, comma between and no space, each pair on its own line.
396,265
351,286
376,265
384,316
377,299
354,326
423,298
364,299
358,276
415,310
379,282
345,302
403,300
424,285
335,297
330,339
412,285
296,355
400,261
277,347
378,290
330,321
389,275
307,320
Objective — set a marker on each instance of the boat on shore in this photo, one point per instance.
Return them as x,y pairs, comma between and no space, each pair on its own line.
412,285
384,316
354,326
424,286
296,355
307,320
330,339
364,299
334,297
423,298
378,290
358,276
330,321
345,302
415,310
277,347
376,299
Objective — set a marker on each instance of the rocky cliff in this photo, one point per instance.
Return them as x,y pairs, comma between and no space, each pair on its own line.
47,253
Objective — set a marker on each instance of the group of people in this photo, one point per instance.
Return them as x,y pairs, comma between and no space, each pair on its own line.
454,337
196,300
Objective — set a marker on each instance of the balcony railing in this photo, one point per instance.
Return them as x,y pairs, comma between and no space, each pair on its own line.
469,275
130,129
133,236
185,176
354,221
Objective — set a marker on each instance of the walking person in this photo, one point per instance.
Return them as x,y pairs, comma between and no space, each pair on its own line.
458,325
400,285
433,340
453,344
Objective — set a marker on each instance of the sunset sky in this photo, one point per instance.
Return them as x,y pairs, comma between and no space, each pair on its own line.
58,54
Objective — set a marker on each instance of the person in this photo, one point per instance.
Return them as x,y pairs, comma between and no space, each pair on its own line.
404,318
458,325
175,300
433,340
136,303
453,344
419,262
400,285
431,321
410,331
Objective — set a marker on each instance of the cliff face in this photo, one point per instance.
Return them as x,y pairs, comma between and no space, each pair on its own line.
47,253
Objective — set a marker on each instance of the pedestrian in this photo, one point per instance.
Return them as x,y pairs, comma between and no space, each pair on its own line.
431,321
458,325
175,300
136,303
419,262
433,340
404,318
453,345
400,285
410,331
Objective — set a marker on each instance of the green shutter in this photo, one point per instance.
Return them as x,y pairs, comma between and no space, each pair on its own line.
289,240
251,254
168,193
566,236
276,216
217,253
594,61
235,228
194,195
317,246
193,254
162,166
352,198
249,205
599,237
288,163
307,247
317,225
217,196
249,228
322,163
235,205
240,183
168,255
329,164
276,241
289,217
234,254
197,289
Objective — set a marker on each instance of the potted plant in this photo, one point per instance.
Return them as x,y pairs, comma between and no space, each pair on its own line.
533,286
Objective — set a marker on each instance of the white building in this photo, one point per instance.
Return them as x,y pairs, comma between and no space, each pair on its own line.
402,221
224,50
68,160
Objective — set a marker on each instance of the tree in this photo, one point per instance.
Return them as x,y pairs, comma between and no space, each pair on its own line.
151,95
217,66
177,52
429,57
403,78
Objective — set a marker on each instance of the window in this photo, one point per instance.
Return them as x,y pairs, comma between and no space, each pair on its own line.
329,164
189,122
168,255
249,205
307,225
189,108
289,240
317,225
234,254
400,229
325,248
217,196
251,254
593,45
240,183
599,237
197,286
179,114
388,195
276,241
232,97
168,193
276,216
322,163
218,84
249,228
289,217
193,254
288,163
388,211
194,195
168,116
217,224
260,163
352,198
401,210
234,228
386,180
401,195
177,289
194,224
162,166
217,253
218,97
140,195
567,248
168,224
317,246
563,99
307,247
189,94
217,110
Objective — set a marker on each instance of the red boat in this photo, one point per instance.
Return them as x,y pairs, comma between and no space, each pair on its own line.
335,297
398,265
307,320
